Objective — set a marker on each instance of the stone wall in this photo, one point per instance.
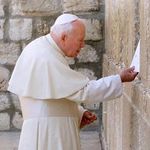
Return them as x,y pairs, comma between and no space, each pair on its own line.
21,21
127,119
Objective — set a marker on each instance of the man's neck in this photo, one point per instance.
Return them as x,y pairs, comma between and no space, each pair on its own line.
56,39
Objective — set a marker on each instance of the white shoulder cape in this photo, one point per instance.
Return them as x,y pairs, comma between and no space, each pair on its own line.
42,72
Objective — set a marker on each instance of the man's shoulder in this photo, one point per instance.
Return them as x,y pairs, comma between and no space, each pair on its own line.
40,41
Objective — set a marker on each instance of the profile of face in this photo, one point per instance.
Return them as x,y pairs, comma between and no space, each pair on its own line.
74,40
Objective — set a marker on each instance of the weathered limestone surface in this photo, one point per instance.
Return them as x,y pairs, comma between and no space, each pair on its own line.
9,53
1,8
1,28
80,5
9,140
15,101
20,29
93,29
17,120
145,45
34,7
88,54
4,121
4,77
4,102
127,119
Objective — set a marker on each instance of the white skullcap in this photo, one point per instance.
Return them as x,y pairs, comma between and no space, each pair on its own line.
65,18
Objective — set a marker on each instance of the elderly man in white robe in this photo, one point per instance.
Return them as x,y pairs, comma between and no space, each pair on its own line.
50,91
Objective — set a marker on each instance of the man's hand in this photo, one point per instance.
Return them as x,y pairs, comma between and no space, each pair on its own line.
88,117
128,75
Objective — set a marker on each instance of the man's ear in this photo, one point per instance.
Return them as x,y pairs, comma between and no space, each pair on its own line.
63,37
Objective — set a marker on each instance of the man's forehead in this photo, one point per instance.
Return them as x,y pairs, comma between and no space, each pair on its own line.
65,18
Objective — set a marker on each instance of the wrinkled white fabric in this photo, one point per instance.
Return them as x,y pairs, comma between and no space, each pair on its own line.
43,72
42,130
49,125
96,91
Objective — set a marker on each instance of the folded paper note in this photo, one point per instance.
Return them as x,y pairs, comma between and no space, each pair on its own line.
136,58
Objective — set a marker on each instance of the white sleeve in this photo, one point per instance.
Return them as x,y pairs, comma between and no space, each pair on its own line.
81,112
96,91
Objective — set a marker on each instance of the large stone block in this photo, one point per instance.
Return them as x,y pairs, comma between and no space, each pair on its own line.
90,141
4,102
9,140
42,7
92,106
42,27
17,120
121,28
145,42
88,54
144,137
80,5
135,124
114,124
4,77
9,53
93,29
4,121
140,131
20,29
1,28
126,124
15,101
138,97
1,8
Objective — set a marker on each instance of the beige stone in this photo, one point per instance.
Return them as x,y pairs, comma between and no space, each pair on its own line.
144,134
127,120
17,120
93,29
90,141
4,102
40,8
42,27
88,54
9,53
15,101
2,28
4,77
121,26
9,140
1,8
92,106
4,121
145,42
122,116
20,29
80,5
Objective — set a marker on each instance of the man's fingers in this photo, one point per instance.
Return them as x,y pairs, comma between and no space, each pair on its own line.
135,74
131,69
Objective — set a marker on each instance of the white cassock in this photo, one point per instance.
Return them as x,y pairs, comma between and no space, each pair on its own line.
50,93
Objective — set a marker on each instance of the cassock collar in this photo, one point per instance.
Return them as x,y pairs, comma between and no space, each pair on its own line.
53,44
